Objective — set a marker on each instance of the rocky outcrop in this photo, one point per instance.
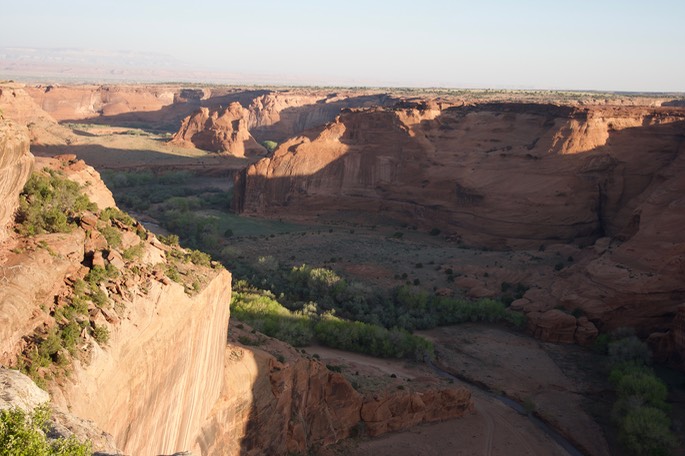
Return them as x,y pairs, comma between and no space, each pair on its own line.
157,378
83,102
403,409
273,407
86,176
15,166
223,131
16,104
19,391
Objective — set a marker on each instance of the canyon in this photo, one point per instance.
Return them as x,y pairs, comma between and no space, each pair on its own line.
141,396
509,176
507,184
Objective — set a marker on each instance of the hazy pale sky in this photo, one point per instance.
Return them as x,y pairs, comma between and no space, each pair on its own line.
547,44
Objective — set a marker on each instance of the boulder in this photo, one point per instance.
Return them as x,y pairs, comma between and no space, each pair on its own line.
553,326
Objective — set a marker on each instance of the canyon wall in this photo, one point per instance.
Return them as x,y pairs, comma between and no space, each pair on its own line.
158,380
161,372
494,174
505,176
222,131
15,166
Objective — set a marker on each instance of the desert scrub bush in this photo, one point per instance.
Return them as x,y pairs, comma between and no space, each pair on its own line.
50,203
270,146
112,235
112,213
172,272
133,252
170,240
25,434
199,258
260,310
100,334
98,274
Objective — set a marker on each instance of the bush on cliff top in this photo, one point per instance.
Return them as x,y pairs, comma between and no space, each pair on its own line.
49,203
23,434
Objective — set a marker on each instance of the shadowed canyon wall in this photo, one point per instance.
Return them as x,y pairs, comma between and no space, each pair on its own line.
507,176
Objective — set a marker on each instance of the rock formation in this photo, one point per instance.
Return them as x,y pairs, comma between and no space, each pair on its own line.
15,167
274,407
162,369
280,115
16,104
223,131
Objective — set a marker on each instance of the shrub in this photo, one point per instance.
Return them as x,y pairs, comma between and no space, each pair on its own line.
112,235
170,240
200,258
370,339
629,349
644,427
101,334
134,252
645,431
270,146
23,434
112,213
49,203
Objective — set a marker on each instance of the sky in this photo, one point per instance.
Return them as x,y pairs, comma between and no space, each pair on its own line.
526,44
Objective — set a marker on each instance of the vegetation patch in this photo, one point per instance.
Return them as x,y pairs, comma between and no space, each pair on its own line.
50,203
640,410
25,434
260,309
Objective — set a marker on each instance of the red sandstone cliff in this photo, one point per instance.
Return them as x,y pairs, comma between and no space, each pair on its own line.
289,406
507,176
223,131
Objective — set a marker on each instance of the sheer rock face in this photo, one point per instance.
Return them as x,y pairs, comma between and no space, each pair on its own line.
88,101
162,373
269,407
278,116
15,166
219,131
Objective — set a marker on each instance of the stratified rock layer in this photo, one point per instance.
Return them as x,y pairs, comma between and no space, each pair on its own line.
272,407
159,378
222,131
15,166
